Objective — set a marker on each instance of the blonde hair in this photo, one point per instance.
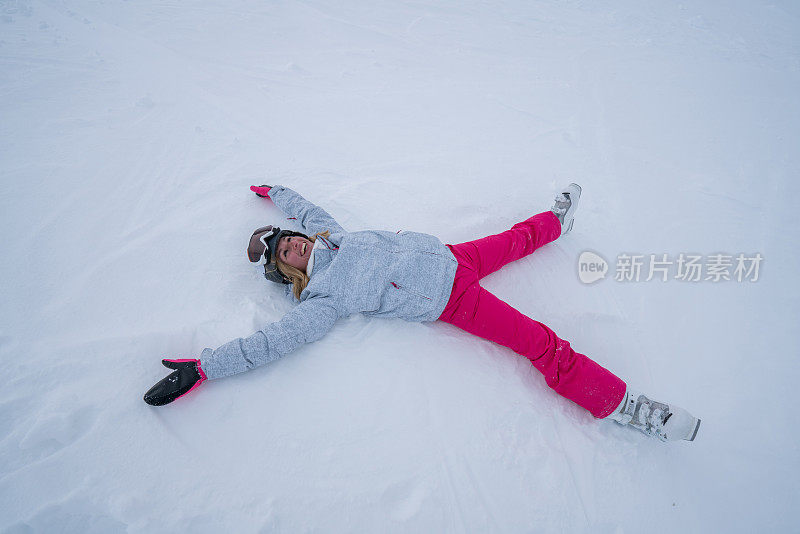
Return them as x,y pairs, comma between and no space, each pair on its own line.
299,278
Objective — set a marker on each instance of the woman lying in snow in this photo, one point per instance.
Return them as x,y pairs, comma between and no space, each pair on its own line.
414,276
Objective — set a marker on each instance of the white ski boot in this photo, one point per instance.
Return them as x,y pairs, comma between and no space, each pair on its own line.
565,205
664,421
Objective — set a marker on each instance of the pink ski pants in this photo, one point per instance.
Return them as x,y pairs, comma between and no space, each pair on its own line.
476,310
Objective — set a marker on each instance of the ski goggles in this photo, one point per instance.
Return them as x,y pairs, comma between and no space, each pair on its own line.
262,243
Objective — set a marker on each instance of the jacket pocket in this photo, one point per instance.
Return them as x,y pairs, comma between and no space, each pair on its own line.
410,291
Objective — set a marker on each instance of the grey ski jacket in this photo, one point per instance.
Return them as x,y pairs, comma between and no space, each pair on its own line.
378,273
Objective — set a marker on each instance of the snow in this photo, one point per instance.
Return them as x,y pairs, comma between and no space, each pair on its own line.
131,131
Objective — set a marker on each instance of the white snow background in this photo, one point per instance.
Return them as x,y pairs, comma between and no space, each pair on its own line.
130,132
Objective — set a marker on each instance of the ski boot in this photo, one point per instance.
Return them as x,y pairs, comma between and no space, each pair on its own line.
565,205
187,376
664,421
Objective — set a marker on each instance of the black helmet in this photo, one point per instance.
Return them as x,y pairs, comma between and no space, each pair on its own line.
261,249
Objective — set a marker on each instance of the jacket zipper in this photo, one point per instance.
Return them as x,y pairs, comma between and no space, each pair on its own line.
328,244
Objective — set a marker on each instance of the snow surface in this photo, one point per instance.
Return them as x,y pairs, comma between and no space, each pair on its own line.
130,132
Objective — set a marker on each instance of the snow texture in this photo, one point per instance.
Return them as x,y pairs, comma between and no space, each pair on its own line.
131,131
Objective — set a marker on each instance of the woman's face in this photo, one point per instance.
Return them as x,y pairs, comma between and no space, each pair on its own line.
295,251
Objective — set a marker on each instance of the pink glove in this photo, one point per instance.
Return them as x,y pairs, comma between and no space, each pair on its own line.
262,191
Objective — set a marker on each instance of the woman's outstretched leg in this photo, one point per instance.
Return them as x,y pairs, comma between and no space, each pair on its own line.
569,373
488,254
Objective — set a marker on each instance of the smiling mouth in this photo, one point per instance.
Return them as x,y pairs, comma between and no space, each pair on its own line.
303,252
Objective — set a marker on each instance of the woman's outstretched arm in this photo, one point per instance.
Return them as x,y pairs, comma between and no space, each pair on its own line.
307,322
313,218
